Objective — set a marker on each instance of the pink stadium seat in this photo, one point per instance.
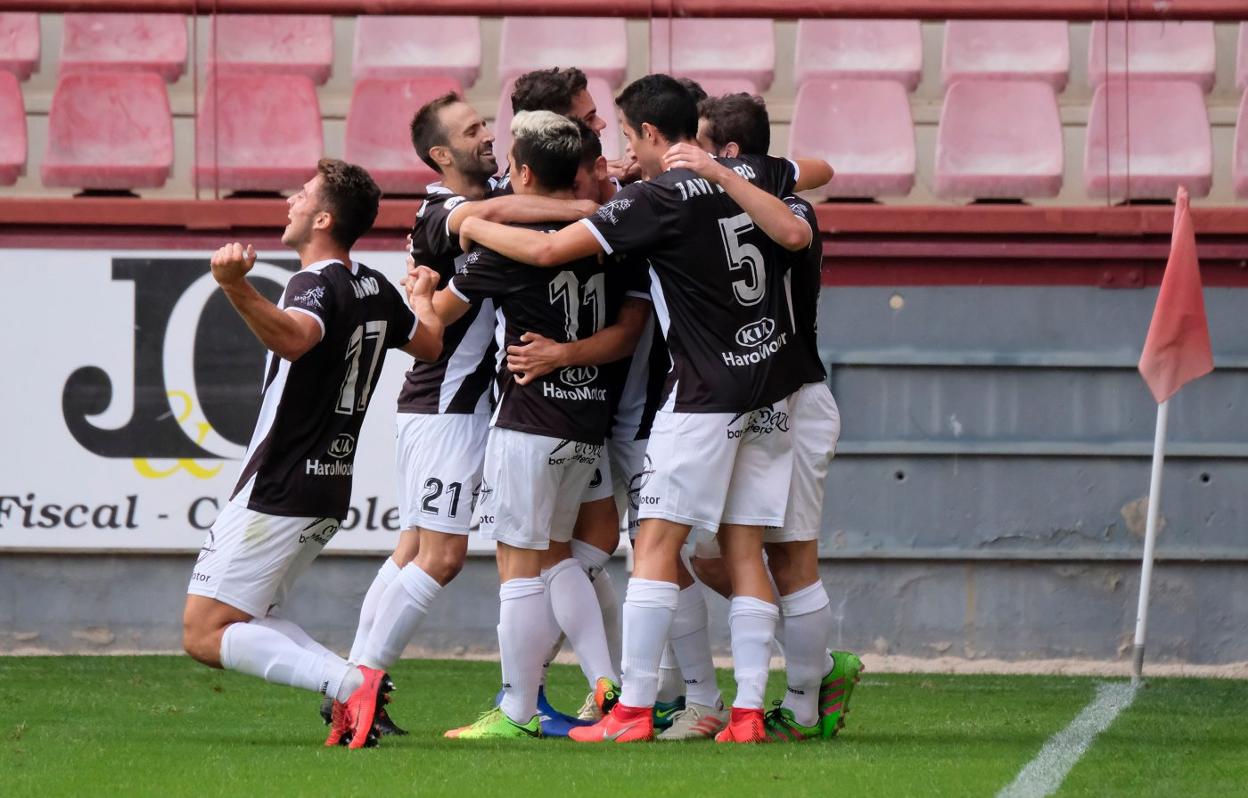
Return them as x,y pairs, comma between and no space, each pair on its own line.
715,49
863,128
1241,58
993,50
19,44
124,43
378,135
598,46
1239,158
718,87
12,130
612,139
274,43
417,47
859,49
1170,144
109,130
1158,51
257,132
999,139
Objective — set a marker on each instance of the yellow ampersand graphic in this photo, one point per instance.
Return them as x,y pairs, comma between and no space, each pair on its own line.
144,465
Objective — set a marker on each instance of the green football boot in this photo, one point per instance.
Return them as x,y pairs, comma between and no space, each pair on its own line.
495,725
783,728
835,691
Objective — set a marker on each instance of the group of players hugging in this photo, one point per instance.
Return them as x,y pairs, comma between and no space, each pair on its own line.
588,335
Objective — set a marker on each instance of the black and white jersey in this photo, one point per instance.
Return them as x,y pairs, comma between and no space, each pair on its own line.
717,282
641,379
563,304
302,453
805,280
459,380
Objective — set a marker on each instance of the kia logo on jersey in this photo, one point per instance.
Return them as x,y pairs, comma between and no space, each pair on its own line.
576,376
342,446
756,332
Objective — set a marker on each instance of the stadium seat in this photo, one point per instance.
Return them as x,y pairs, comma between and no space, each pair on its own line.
109,130
863,128
1170,143
417,47
715,49
994,50
999,139
12,130
257,132
859,49
1241,58
1239,158
272,43
124,43
612,140
1158,51
378,136
19,44
717,87
598,46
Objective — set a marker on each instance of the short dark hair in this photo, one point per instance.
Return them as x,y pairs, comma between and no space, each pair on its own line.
548,90
694,88
737,117
349,194
427,128
591,145
549,144
661,101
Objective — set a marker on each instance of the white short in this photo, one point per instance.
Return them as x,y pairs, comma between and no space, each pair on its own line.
816,429
533,487
250,560
601,484
437,467
713,468
628,462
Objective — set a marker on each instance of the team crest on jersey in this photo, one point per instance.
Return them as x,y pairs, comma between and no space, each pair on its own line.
607,212
452,202
312,297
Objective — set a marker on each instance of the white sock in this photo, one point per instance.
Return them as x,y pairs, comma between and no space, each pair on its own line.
388,572
691,644
753,625
671,683
526,631
401,609
554,652
808,629
295,632
575,606
257,650
594,560
648,609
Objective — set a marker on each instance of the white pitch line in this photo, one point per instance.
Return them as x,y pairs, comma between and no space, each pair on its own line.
1044,774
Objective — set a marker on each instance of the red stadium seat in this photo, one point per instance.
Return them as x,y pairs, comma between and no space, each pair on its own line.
417,47
1158,51
598,46
992,50
859,49
999,139
273,43
378,136
257,133
1239,158
19,44
863,128
109,130
1170,144
612,140
124,43
12,130
715,49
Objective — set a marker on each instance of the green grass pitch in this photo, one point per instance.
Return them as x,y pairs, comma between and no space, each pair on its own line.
165,726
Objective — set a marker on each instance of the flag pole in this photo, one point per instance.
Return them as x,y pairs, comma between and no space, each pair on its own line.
1150,541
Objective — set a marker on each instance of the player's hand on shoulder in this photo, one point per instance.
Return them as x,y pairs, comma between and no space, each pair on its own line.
231,262
535,357
694,158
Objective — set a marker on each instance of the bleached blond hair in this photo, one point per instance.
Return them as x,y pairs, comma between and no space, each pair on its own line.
550,144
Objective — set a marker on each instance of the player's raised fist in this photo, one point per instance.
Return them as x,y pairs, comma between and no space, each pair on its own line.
421,282
231,262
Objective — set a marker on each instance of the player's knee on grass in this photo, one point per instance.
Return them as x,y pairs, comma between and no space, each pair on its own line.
442,556
793,565
712,572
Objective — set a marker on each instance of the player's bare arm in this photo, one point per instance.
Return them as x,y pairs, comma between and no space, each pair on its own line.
771,215
288,334
529,246
521,209
540,355
812,173
426,342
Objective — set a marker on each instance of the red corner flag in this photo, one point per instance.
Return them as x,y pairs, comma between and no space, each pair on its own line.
1177,349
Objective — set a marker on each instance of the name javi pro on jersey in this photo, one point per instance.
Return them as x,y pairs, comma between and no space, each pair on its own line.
716,282
302,453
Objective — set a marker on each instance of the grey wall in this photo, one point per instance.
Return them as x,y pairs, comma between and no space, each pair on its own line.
986,500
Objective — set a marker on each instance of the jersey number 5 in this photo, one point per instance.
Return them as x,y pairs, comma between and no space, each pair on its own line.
743,257
365,343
